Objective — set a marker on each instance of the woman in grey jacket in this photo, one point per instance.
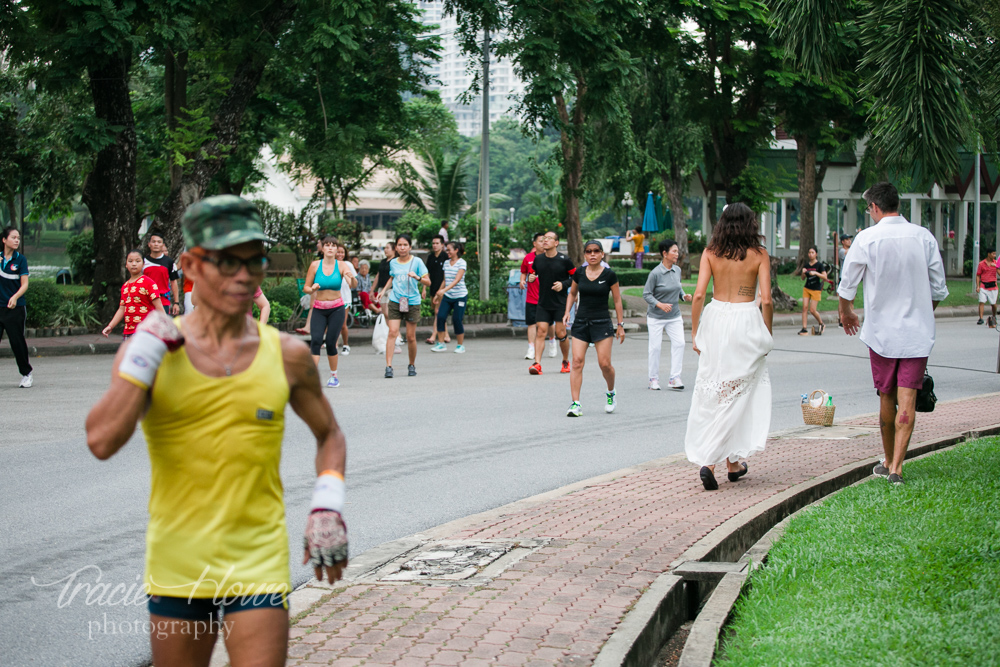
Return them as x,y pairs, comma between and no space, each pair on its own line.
663,292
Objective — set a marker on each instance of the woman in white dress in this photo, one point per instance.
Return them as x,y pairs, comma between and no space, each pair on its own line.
731,408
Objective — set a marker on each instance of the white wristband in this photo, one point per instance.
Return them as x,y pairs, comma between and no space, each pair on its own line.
328,494
142,359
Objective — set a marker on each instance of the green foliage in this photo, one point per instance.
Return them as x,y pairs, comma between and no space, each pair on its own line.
286,294
473,306
420,225
787,268
631,277
348,233
279,313
75,313
755,186
43,300
696,243
525,229
438,185
826,597
80,249
185,142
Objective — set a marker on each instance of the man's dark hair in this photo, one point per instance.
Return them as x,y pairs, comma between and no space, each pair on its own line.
884,195
665,245
437,237
813,248
153,233
735,233
535,237
7,232
444,223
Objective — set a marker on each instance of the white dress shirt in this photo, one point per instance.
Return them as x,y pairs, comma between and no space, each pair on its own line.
903,273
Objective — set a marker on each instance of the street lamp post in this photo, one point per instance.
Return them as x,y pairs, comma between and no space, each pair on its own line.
627,203
511,216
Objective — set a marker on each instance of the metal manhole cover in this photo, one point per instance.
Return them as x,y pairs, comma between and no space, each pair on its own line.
455,561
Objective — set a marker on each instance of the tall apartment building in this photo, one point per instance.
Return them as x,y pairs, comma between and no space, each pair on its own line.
454,80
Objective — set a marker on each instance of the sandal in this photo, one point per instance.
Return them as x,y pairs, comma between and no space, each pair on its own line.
734,476
708,479
803,332
822,328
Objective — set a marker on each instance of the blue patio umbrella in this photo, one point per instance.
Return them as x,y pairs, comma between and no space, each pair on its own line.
649,221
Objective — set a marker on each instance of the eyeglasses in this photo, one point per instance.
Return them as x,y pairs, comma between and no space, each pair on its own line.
589,251
229,265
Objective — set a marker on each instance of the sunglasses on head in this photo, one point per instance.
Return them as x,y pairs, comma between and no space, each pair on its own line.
229,265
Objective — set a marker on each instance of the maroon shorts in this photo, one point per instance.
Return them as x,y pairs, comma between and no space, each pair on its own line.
891,373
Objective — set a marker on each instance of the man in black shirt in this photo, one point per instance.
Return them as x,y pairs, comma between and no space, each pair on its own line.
554,271
435,269
158,255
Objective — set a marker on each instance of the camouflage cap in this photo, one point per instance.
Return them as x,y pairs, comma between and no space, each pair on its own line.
221,222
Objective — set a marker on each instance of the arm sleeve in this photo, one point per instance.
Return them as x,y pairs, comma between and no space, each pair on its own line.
173,270
572,270
612,277
647,291
935,271
852,272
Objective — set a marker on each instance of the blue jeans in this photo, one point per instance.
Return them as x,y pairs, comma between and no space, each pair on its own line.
457,306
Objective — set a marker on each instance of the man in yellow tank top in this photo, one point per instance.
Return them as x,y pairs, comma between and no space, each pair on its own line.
211,389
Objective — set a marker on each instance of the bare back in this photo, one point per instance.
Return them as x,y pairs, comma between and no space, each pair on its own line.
736,281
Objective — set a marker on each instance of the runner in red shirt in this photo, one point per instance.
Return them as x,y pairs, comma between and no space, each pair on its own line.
140,296
986,286
529,282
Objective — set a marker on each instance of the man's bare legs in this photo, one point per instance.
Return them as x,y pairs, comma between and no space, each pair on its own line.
542,329
897,414
254,638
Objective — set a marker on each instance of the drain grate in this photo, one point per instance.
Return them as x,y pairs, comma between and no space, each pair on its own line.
466,562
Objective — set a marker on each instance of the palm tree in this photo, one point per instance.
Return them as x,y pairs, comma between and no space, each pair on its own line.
439,185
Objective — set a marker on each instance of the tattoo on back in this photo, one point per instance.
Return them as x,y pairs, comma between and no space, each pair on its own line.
745,291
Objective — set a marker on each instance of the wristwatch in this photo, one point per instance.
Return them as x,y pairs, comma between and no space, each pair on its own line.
621,324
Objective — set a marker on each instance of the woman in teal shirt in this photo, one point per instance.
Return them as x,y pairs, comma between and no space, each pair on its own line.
406,274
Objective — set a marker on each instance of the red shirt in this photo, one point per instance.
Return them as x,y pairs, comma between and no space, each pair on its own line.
987,273
527,268
137,298
161,277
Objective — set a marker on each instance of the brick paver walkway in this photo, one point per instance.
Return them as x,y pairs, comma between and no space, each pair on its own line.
607,543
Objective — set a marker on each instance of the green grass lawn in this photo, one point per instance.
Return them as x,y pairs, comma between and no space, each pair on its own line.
884,575
958,293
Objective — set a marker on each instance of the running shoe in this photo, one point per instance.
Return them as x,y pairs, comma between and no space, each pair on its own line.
411,370
459,349
574,409
333,382
565,367
880,470
388,371
654,384
612,403
896,480
26,381
439,347
535,369
803,331
346,350
551,346
530,354
980,321
675,384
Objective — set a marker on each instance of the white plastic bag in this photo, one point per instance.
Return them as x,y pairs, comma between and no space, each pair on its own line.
380,334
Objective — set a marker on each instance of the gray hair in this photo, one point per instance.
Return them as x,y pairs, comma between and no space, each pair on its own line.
364,262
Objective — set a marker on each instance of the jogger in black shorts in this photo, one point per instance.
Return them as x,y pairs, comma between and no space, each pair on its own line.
594,283
554,271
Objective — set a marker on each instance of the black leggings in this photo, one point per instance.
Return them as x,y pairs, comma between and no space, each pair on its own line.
330,320
12,322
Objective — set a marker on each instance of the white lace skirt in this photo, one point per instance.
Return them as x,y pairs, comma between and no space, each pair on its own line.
731,408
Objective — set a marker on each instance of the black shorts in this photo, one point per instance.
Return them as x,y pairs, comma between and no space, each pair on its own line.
435,286
529,313
591,331
548,315
197,609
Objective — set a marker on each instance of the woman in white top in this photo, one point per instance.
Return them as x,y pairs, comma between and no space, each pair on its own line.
346,294
454,296
731,408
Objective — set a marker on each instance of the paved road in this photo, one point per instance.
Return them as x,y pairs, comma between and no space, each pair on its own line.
469,433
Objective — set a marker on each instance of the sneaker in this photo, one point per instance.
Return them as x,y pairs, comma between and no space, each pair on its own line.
346,350
980,321
803,331
574,409
439,347
411,370
612,403
535,369
530,354
896,479
26,381
552,347
333,382
565,367
654,384
880,470
675,384
388,371
459,349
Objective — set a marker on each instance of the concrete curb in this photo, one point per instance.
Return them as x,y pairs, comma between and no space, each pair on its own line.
646,628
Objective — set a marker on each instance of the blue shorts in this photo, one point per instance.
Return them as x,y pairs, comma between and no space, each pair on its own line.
198,609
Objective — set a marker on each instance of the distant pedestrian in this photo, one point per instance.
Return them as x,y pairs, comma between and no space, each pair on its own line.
901,267
814,272
443,232
664,292
13,308
324,280
638,240
157,256
365,287
986,286
406,274
529,284
347,294
731,407
845,245
594,283
452,297
435,269
140,296
555,276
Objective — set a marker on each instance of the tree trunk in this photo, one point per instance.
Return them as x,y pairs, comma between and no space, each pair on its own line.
809,184
225,128
109,190
572,144
781,300
174,100
673,184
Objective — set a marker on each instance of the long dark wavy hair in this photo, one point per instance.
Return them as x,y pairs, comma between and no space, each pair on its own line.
736,233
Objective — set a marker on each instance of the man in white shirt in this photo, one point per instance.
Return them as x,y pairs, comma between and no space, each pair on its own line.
443,232
904,281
